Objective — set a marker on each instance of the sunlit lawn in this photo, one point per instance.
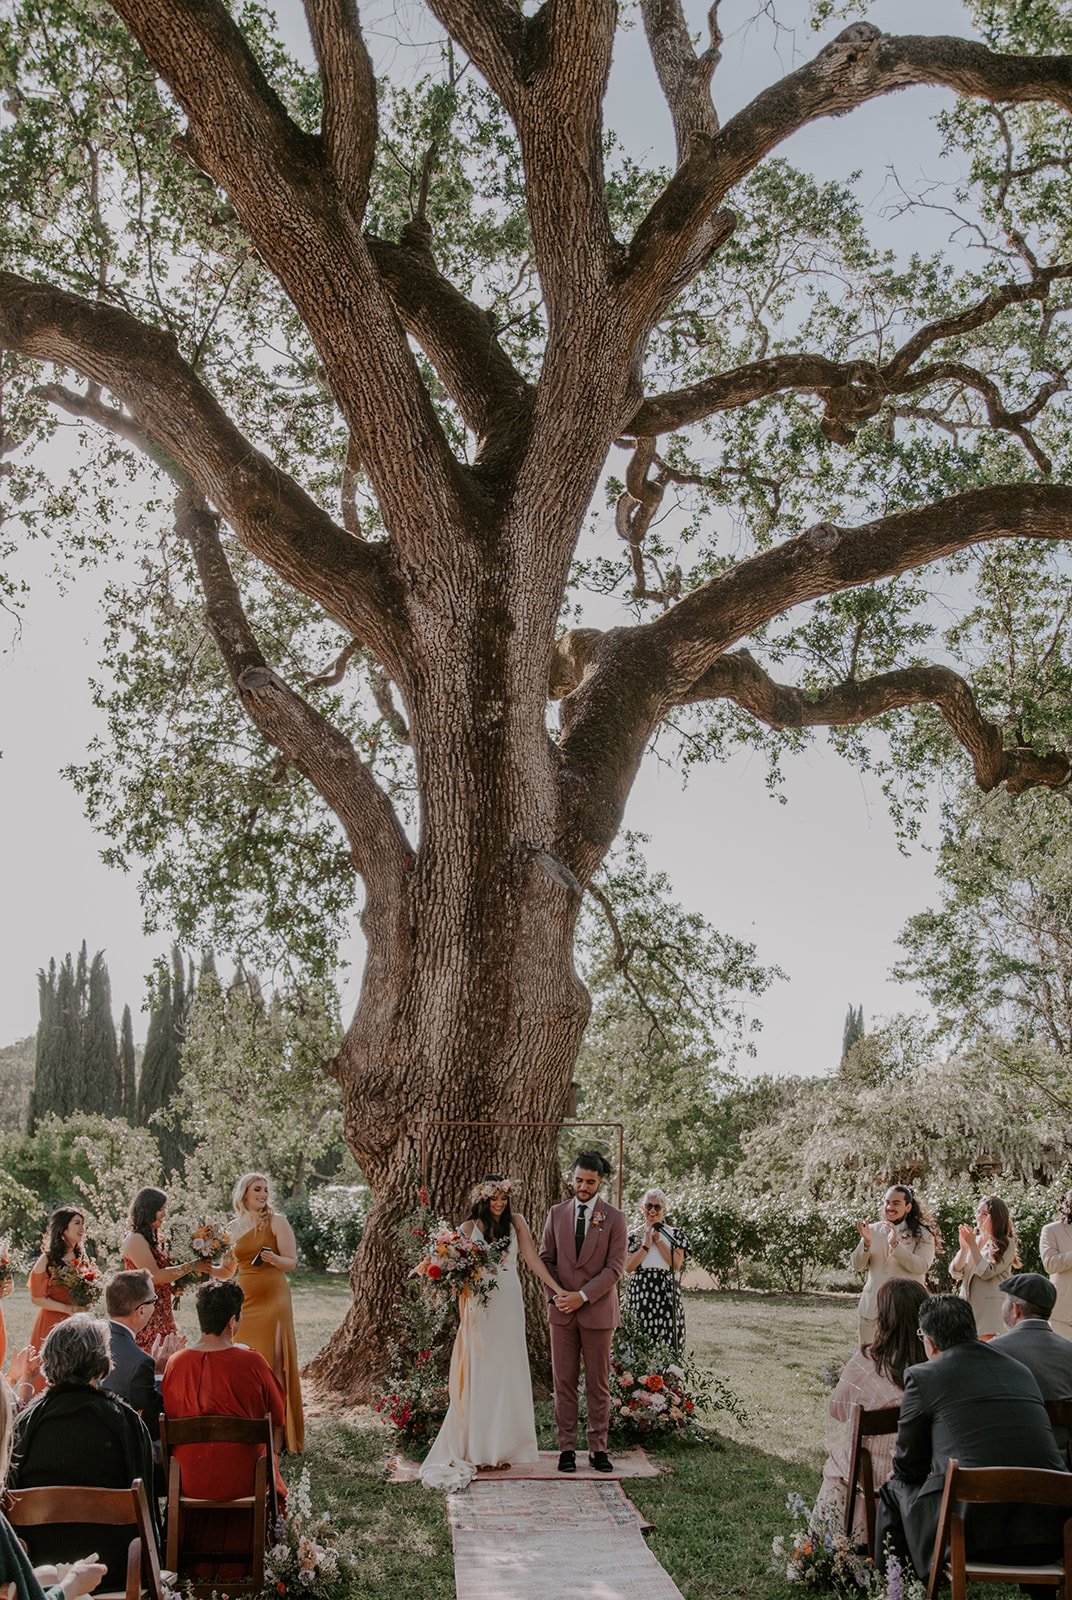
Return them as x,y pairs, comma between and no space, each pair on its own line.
715,1510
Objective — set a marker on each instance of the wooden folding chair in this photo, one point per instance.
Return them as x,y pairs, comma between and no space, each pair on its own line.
1030,1486
1060,1415
114,1508
261,1502
864,1425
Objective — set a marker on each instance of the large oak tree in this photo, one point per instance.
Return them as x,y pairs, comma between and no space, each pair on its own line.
379,348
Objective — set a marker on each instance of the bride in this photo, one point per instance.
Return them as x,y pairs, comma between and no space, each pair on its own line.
490,1421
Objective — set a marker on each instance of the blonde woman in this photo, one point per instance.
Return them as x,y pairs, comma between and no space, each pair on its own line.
656,1251
266,1250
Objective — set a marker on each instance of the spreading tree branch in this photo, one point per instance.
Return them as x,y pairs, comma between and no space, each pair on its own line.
300,733
737,676
619,685
298,211
684,77
349,124
859,65
168,405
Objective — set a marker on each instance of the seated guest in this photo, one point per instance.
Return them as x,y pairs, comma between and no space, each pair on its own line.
1025,1311
971,1403
218,1378
873,1378
16,1574
135,1375
75,1433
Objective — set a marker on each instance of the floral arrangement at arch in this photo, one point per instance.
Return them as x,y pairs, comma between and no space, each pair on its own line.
415,1401
655,1392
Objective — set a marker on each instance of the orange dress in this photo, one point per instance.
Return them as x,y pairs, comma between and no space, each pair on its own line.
268,1319
3,1339
43,1287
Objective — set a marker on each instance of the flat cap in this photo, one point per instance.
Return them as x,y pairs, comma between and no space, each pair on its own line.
1032,1287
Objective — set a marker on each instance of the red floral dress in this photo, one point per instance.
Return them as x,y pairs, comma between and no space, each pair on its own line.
162,1321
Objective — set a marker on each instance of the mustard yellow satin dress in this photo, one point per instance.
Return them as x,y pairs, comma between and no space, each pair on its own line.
267,1323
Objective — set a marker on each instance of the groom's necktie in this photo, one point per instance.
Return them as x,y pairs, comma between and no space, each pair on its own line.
578,1232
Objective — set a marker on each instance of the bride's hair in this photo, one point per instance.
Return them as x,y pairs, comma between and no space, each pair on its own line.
492,1227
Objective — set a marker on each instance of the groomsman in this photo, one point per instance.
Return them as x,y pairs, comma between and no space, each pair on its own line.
584,1247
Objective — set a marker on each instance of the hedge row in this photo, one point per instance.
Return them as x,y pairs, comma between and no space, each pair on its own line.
780,1242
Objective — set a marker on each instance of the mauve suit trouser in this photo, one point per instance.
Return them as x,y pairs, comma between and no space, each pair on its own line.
571,1343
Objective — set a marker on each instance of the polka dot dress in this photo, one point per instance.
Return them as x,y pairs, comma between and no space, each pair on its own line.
652,1297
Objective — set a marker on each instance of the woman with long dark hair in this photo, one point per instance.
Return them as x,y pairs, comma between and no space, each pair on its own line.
62,1246
490,1421
144,1250
987,1253
902,1245
874,1378
1055,1248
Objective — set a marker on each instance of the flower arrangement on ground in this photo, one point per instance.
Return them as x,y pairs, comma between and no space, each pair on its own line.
82,1279
305,1560
416,1400
207,1242
655,1392
820,1554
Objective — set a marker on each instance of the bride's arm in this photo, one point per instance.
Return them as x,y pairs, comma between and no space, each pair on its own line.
529,1254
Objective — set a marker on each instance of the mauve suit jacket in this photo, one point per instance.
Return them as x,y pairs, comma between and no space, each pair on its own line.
598,1268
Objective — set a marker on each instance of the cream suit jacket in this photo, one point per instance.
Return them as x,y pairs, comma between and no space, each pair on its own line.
910,1257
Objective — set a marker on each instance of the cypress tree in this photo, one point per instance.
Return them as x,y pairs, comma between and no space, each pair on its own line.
101,1072
69,1079
154,1061
853,1029
42,1100
126,1060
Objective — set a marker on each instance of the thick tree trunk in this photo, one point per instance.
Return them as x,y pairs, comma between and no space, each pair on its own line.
471,1010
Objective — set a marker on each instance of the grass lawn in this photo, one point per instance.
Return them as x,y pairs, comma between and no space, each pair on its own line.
715,1510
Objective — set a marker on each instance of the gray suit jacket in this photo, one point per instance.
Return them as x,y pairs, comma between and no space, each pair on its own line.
1044,1353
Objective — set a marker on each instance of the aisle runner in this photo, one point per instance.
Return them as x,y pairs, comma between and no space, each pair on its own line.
627,1464
527,1540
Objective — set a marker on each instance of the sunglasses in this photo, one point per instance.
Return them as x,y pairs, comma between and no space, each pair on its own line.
649,1205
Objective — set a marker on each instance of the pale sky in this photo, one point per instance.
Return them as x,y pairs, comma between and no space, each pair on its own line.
818,884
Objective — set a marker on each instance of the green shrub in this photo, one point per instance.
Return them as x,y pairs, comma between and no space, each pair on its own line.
328,1224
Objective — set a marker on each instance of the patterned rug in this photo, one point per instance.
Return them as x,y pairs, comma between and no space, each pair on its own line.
529,1540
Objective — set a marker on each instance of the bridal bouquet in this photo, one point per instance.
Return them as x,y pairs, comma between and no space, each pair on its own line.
207,1242
9,1264
82,1280
452,1264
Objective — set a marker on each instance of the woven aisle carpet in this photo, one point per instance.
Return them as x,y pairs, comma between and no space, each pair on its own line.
531,1540
627,1464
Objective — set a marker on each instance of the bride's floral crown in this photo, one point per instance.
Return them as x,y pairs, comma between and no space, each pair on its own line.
490,1188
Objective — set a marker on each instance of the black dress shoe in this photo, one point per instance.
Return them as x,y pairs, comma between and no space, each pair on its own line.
567,1461
600,1461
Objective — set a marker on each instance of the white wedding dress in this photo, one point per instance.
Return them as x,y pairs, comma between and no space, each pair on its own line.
490,1418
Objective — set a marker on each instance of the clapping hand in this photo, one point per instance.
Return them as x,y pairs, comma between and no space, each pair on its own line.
81,1577
967,1235
164,1347
865,1233
25,1366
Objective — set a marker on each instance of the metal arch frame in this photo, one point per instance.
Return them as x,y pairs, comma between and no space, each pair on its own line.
620,1126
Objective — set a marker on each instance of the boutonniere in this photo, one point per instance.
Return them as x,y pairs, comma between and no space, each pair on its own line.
599,1219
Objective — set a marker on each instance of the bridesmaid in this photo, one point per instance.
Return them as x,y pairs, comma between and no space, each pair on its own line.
144,1251
266,1250
6,1286
62,1246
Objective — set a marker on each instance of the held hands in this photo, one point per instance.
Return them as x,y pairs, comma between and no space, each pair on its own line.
568,1301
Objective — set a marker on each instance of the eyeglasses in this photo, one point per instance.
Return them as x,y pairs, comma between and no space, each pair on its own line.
923,1334
151,1302
650,1205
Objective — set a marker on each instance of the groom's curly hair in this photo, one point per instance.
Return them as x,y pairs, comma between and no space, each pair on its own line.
492,1227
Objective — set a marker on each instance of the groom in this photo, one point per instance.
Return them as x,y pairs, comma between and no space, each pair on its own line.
584,1247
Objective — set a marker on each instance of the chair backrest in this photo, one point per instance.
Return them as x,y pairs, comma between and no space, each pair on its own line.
215,1430
864,1425
178,1431
37,1508
1033,1486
